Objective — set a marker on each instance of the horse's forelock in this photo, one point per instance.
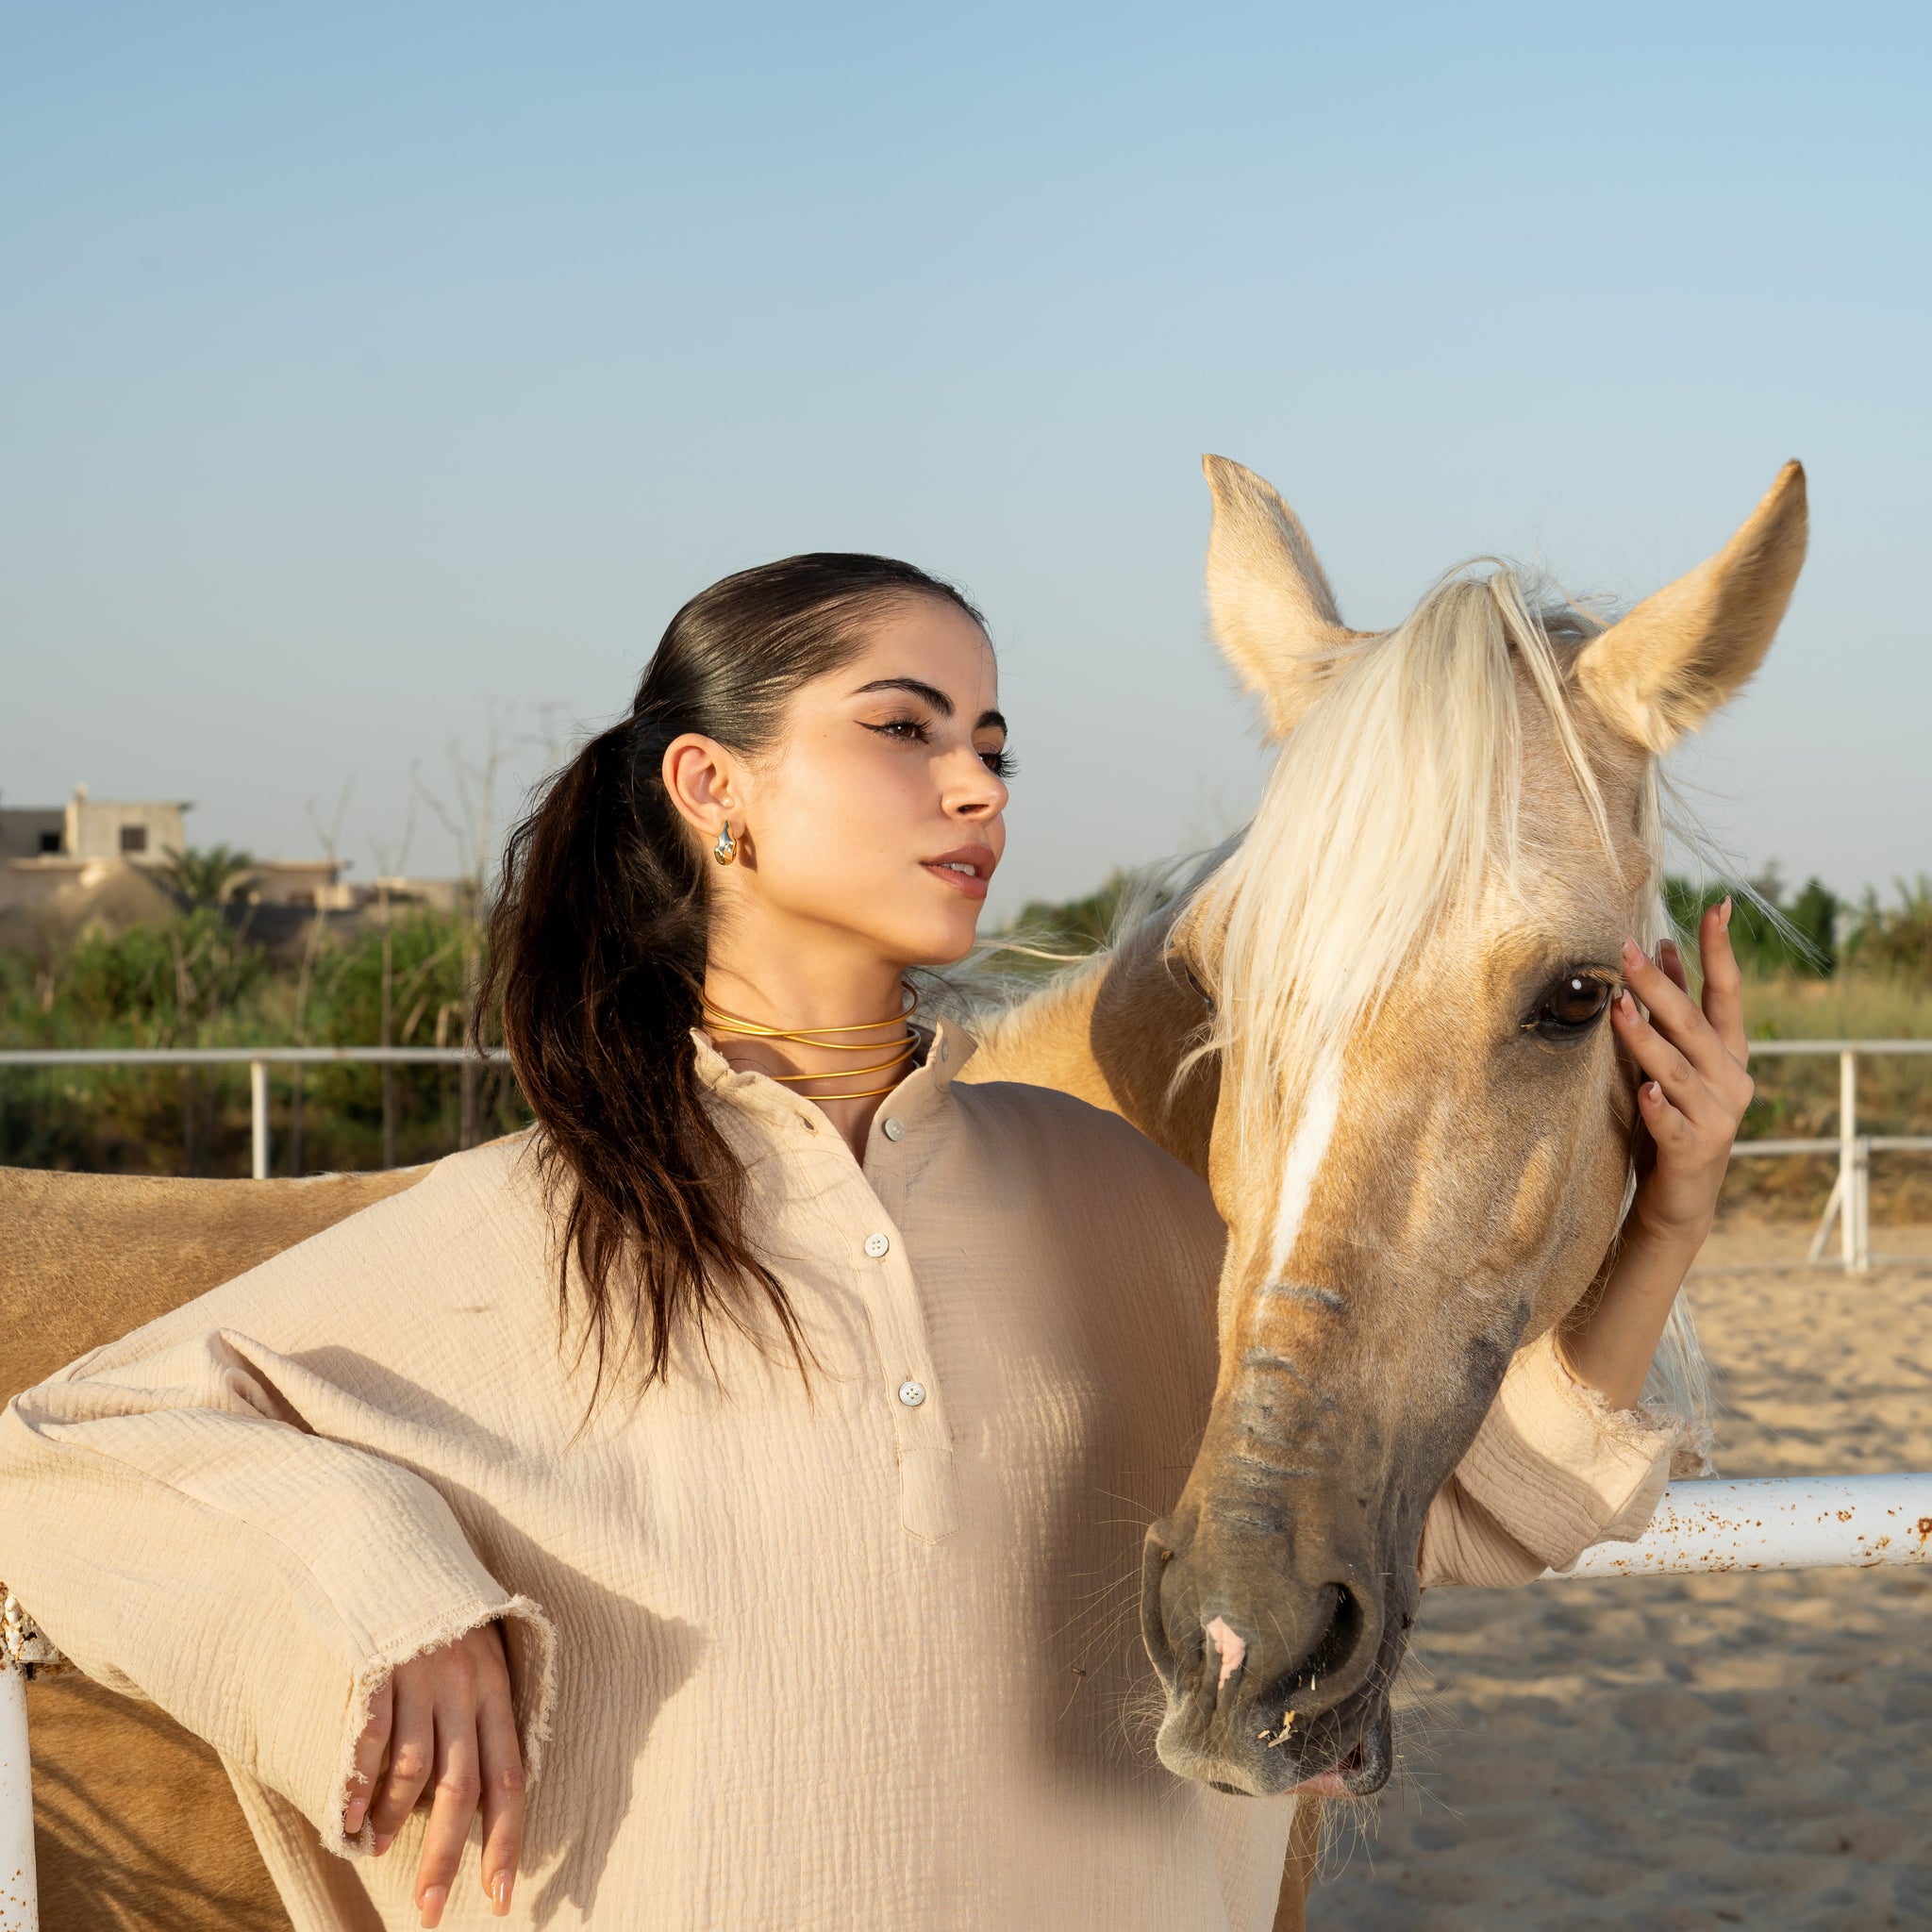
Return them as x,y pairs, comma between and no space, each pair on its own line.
1392,806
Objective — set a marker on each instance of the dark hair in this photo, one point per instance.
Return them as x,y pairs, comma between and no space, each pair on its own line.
597,945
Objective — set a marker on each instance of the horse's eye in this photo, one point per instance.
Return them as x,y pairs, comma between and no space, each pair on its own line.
1570,1005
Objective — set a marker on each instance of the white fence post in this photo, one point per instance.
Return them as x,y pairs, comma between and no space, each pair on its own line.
1848,1157
19,1899
20,1892
258,1123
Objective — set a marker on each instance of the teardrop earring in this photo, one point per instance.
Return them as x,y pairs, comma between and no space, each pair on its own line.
725,850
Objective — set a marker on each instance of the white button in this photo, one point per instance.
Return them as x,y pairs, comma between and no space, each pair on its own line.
875,1245
894,1130
911,1394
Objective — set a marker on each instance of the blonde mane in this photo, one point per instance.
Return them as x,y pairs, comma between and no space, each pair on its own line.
1394,803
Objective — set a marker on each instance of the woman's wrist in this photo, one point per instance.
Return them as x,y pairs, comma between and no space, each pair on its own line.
1610,1345
1660,1257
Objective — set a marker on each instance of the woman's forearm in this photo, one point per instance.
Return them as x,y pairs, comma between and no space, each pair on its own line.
1608,1343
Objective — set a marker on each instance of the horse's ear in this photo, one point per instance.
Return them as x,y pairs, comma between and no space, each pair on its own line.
1687,650
1272,612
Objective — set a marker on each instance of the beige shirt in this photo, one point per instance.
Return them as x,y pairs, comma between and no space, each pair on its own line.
861,1656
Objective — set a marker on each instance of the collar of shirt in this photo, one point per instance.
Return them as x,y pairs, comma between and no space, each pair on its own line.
925,1092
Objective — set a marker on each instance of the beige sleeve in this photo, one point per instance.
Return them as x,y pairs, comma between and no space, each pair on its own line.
173,1525
1553,1470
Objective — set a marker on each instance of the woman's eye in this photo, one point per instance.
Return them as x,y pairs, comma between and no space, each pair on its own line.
907,730
1570,1005
999,763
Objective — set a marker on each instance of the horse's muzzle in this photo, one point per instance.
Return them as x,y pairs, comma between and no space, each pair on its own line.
1273,1680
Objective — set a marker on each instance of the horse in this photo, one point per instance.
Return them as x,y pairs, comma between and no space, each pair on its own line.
1422,1137
1334,1021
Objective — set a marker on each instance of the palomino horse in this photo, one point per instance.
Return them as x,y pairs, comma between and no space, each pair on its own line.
1359,1025
1422,1133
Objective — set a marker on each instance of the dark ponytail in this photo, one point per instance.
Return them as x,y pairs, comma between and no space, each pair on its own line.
597,944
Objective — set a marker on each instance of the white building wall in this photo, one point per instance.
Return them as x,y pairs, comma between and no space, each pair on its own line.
142,834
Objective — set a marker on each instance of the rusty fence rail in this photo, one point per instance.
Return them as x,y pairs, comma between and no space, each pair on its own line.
1775,1522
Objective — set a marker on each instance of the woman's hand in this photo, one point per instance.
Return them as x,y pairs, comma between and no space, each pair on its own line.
443,1723
1691,1099
1697,1090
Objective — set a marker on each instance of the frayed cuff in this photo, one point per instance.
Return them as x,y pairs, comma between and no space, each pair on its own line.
1558,1468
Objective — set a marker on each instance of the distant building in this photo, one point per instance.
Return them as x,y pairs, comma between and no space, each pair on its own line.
59,858
34,832
139,833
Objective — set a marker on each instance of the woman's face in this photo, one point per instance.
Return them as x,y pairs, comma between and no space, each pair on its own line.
876,819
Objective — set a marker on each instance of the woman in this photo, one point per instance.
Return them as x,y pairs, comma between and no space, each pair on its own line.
750,1462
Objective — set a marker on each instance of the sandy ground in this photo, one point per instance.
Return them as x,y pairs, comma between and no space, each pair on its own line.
1747,1750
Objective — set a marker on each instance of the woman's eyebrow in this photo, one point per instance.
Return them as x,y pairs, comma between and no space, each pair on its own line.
989,720
918,687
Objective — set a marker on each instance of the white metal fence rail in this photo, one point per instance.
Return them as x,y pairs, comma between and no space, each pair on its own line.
1792,1522
1849,1206
257,1060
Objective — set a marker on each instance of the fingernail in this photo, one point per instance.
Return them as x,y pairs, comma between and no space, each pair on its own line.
499,1895
352,1819
1655,1092
1724,914
1632,950
1626,1005
1669,946
383,1840
432,1904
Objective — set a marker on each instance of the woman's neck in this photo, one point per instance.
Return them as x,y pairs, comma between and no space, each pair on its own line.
853,1013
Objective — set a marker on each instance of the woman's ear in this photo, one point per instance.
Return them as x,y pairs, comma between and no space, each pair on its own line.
702,779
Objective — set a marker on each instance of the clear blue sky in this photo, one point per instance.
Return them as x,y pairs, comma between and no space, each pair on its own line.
368,369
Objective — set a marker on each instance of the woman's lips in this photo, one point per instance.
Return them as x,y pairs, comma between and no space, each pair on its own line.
968,884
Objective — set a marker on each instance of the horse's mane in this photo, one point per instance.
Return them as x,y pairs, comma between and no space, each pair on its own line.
1410,754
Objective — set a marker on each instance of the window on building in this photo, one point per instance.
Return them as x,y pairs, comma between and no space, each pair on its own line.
50,842
133,839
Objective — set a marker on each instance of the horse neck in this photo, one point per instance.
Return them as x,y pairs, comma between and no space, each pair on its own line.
1113,1033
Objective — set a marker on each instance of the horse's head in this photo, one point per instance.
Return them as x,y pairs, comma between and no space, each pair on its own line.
1422,1147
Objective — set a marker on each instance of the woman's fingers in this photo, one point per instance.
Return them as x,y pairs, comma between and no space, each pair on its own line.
411,1753
1670,1127
1683,1084
1723,984
458,1788
503,1795
452,1732
370,1749
1677,1020
1672,961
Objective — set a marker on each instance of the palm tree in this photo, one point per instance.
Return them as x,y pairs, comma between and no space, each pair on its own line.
210,877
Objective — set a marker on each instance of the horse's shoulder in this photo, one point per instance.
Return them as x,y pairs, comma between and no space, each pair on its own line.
90,1257
1070,1136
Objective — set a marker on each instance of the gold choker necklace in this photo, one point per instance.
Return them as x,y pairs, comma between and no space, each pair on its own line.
731,1025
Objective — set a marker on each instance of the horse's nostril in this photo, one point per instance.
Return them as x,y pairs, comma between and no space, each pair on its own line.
1344,1635
1333,1650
